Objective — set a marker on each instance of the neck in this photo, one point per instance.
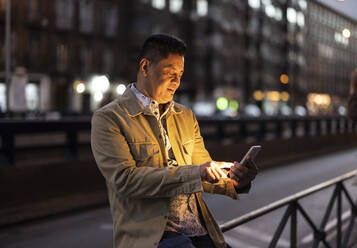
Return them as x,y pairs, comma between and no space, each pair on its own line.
143,90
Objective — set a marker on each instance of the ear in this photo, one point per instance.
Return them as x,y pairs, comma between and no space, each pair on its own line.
144,66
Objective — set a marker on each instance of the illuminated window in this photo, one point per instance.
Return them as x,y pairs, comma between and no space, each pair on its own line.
291,15
270,10
255,4
278,14
64,14
300,18
202,7
86,15
158,4
266,2
32,96
176,5
2,97
303,4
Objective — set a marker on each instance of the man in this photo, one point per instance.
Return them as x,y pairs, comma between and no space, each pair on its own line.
352,100
151,153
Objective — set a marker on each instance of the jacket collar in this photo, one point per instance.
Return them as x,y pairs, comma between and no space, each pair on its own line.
133,106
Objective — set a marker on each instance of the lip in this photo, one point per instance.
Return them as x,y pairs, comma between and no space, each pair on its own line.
171,90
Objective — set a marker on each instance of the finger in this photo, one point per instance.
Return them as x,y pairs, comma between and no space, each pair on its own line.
234,177
221,172
253,165
211,174
216,167
240,169
221,164
215,172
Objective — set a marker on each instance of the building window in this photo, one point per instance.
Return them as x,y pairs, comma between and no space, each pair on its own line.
86,60
34,51
64,14
291,15
158,4
107,61
62,57
2,52
111,21
86,16
176,6
2,97
33,10
32,93
255,4
202,7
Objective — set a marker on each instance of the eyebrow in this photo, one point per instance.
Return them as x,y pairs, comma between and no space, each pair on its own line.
171,66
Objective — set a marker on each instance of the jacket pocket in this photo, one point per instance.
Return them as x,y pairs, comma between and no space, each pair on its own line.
188,147
188,150
144,151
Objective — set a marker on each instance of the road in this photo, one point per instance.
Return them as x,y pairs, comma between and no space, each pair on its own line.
93,228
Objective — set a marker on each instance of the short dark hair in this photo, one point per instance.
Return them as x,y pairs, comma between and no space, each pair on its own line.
159,46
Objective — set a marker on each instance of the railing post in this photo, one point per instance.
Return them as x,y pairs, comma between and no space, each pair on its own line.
72,145
220,131
307,127
338,125
293,226
8,147
318,127
293,126
279,129
280,228
262,130
339,213
328,126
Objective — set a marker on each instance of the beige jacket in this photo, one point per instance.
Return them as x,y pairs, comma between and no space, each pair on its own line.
130,153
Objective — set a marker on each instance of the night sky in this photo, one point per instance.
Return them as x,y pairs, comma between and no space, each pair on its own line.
347,7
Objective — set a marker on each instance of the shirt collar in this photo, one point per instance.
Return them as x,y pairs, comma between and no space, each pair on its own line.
144,100
147,101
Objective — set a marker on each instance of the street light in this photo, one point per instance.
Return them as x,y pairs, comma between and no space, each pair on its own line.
346,33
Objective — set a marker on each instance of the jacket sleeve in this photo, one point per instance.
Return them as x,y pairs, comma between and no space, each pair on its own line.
352,107
200,155
115,161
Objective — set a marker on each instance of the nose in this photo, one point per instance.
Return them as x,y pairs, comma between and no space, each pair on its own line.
176,80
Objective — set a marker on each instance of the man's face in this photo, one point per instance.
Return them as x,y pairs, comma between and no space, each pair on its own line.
163,78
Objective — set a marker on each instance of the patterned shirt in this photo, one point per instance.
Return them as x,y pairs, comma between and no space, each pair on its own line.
183,215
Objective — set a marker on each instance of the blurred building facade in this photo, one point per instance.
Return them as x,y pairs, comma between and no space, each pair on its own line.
273,54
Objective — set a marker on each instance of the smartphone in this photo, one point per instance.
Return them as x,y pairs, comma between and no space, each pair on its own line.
252,153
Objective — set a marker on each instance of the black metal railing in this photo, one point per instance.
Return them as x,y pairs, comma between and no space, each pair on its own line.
212,129
71,127
294,207
276,127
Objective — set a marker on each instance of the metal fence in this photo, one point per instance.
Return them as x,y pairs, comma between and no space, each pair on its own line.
237,130
293,207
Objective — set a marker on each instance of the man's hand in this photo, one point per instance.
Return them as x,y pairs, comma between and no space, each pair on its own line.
212,172
243,175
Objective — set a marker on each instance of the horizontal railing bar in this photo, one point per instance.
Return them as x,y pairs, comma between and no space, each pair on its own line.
280,203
